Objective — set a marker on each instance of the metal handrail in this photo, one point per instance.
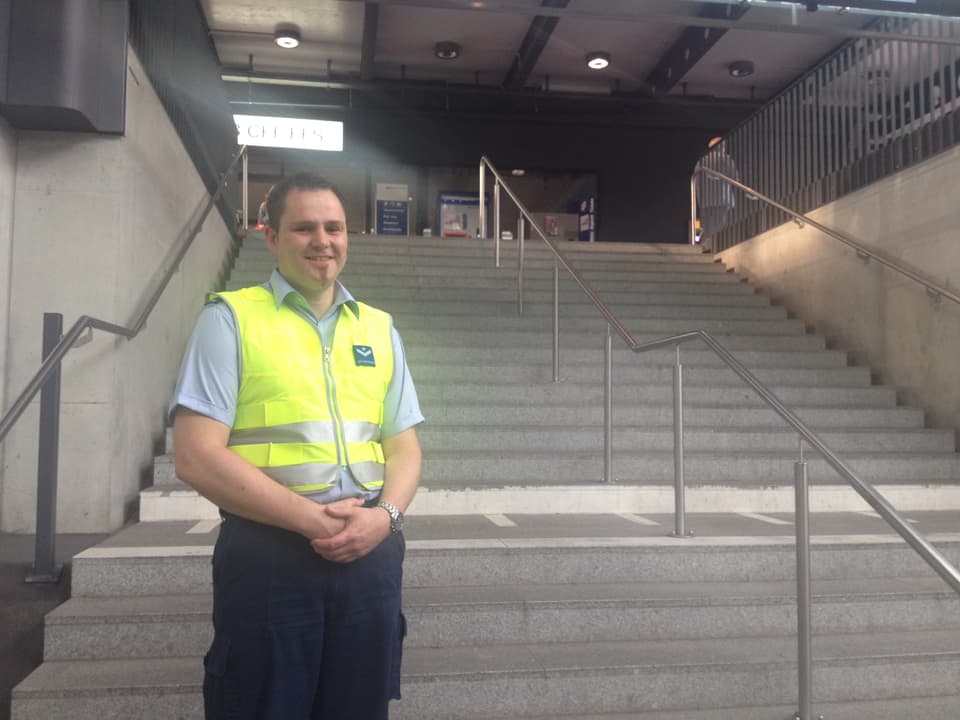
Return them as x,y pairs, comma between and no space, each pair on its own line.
933,557
932,288
46,381
930,554
85,321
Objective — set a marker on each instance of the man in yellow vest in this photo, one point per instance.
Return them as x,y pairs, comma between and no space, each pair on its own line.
295,413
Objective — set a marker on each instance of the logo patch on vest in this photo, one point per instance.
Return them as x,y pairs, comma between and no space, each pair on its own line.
363,355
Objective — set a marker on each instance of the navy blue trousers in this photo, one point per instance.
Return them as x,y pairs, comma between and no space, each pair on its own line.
297,637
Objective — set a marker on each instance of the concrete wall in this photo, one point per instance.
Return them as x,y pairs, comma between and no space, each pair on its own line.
94,219
885,320
8,166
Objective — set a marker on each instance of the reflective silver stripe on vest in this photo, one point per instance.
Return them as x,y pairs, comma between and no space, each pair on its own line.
306,432
359,431
304,475
368,474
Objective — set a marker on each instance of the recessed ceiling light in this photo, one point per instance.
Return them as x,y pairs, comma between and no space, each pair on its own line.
447,50
741,68
598,60
518,172
287,37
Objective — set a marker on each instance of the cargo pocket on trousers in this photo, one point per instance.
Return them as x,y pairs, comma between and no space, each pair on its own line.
218,701
215,661
396,658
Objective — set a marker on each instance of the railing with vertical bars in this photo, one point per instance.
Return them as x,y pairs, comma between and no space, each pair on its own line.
872,108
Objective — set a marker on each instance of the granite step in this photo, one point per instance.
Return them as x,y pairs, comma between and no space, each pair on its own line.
463,683
179,625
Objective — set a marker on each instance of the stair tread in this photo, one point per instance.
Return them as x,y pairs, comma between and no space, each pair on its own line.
88,677
157,608
625,657
715,532
919,708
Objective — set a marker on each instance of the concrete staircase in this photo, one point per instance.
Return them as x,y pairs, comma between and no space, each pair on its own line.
535,591
497,422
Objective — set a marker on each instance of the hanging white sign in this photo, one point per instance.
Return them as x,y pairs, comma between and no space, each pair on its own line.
285,132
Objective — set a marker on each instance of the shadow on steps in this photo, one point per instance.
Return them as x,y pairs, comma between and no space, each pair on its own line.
24,605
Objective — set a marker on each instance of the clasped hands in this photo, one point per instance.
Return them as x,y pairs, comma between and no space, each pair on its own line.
349,530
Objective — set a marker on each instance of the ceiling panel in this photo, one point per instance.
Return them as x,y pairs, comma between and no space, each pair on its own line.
777,59
783,41
489,40
318,20
634,49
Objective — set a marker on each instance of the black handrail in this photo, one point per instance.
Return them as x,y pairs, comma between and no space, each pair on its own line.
47,382
85,321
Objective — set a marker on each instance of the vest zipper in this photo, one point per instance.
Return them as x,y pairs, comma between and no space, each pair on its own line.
341,440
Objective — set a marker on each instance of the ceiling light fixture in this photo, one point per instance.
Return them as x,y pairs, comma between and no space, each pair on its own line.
447,50
598,60
287,36
741,68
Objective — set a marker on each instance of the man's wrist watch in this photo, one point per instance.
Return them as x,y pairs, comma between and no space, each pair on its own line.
396,517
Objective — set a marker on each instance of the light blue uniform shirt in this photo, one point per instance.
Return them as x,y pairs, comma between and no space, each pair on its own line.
210,373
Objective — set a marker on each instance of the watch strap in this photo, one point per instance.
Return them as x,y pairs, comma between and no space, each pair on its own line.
396,517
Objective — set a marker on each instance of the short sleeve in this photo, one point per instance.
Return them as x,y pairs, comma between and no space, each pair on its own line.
209,374
401,406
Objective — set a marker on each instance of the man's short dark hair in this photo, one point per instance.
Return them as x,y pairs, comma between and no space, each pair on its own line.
277,199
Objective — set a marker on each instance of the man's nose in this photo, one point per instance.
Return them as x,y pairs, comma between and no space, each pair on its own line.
320,238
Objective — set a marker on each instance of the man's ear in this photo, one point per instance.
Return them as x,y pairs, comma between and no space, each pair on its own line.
271,239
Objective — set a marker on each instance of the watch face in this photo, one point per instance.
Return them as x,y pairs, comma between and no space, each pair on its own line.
398,521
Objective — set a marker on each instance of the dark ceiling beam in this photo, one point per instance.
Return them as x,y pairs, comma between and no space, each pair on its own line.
947,8
371,18
427,98
641,13
694,42
527,55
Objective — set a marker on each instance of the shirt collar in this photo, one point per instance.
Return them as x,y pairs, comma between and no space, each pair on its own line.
283,292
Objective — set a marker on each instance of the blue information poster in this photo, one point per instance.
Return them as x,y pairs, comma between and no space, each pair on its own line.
588,220
392,217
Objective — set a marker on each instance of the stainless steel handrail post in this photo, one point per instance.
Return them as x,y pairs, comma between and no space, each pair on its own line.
679,500
246,194
483,210
520,233
45,568
693,209
556,322
608,406
496,222
804,641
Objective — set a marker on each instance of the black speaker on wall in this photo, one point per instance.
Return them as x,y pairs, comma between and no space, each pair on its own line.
63,64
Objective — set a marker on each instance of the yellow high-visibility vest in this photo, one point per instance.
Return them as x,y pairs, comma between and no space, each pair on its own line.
305,411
